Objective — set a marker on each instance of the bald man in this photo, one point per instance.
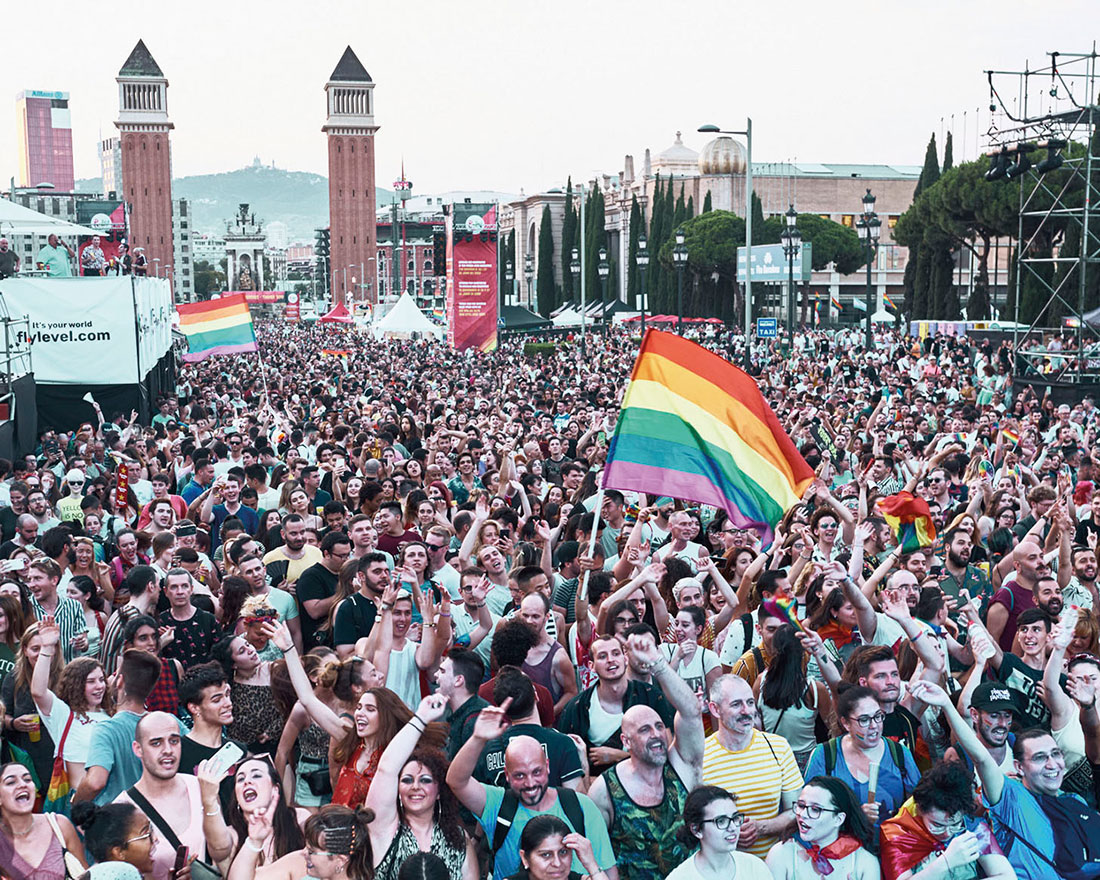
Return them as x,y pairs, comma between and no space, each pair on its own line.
642,797
528,794
1016,595
169,798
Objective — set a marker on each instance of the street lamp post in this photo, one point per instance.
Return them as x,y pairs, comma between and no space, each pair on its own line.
679,257
714,129
529,274
792,242
642,259
575,268
869,228
603,268
509,277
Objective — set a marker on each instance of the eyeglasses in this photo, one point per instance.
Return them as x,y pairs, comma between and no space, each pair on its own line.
626,620
956,824
145,836
812,811
435,546
866,721
723,823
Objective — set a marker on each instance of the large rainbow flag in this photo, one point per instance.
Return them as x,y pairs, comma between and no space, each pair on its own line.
910,520
217,326
694,426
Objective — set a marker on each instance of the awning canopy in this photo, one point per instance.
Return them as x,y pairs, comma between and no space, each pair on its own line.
17,220
338,315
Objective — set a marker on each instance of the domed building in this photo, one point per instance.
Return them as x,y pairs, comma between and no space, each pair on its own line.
678,160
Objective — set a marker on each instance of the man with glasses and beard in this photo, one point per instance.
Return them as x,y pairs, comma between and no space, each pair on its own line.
642,798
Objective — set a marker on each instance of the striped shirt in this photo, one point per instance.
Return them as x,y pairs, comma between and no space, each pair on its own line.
759,775
69,617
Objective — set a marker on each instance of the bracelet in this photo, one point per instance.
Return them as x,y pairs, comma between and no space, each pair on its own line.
429,626
444,614
44,653
215,812
256,849
917,636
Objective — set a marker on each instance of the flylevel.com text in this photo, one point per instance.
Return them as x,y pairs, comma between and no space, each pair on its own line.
63,336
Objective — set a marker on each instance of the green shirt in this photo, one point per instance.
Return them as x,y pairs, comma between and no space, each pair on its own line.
56,261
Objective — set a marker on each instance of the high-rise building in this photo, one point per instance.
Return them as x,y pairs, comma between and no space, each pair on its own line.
143,127
110,165
350,127
183,259
45,140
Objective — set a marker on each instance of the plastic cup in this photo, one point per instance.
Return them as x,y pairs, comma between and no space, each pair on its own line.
35,733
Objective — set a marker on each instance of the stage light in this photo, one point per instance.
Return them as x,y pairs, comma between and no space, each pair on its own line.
1022,163
997,165
1054,158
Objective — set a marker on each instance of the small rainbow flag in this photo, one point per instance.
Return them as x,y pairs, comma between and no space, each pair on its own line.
783,609
217,326
817,314
1010,436
910,520
694,426
889,302
835,300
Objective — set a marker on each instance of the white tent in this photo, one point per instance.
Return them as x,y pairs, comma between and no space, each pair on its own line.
404,319
17,220
571,317
883,317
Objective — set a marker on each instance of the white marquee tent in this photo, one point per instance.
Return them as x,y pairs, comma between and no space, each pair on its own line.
17,220
404,319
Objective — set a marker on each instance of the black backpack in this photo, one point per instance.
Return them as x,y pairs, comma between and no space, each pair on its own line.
570,804
1076,828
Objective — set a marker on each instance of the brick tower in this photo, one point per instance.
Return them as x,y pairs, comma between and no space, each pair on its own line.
146,156
349,124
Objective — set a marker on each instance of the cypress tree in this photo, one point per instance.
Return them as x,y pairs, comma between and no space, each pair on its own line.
680,212
568,242
948,154
691,207
707,207
546,292
632,281
757,219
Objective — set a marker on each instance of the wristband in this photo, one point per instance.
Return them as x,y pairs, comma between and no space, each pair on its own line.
444,614
256,849
215,812
917,636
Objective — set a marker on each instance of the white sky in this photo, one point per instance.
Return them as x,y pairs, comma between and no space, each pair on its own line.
504,94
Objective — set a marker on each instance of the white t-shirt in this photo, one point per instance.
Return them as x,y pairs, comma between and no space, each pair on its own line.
448,578
695,672
746,866
601,723
80,733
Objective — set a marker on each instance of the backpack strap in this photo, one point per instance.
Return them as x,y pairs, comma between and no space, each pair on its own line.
505,815
570,804
899,761
746,622
759,658
830,757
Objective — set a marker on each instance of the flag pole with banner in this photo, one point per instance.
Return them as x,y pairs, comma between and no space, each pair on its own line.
217,326
694,426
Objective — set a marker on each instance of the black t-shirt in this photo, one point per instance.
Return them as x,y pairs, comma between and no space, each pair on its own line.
316,582
354,620
561,753
192,753
1023,682
194,638
7,523
7,263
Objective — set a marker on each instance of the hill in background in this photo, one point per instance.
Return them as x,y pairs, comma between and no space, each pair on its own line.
297,198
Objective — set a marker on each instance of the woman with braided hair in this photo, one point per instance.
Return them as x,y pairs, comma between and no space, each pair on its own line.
337,847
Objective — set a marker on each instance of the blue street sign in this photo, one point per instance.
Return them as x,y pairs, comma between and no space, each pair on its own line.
767,328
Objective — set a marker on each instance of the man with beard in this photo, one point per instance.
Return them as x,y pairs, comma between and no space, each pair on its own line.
757,766
170,799
295,555
959,574
528,795
1016,596
992,712
1081,589
642,798
596,714
355,616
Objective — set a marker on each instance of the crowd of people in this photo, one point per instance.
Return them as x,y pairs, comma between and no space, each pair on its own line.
348,610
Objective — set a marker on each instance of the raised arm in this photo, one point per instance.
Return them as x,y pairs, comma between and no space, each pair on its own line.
50,635
382,797
491,723
689,714
732,601
1062,708
334,725
989,771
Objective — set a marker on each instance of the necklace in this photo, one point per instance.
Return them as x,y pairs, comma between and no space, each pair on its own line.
15,833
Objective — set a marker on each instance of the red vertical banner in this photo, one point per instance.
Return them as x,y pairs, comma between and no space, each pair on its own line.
292,310
122,489
472,277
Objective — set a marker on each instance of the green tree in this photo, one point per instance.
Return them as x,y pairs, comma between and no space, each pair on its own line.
633,285
707,206
710,280
546,288
568,242
757,219
208,279
948,154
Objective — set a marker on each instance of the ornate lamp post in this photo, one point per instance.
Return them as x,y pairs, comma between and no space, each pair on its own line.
869,228
642,259
792,242
529,274
575,268
680,257
509,277
603,268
